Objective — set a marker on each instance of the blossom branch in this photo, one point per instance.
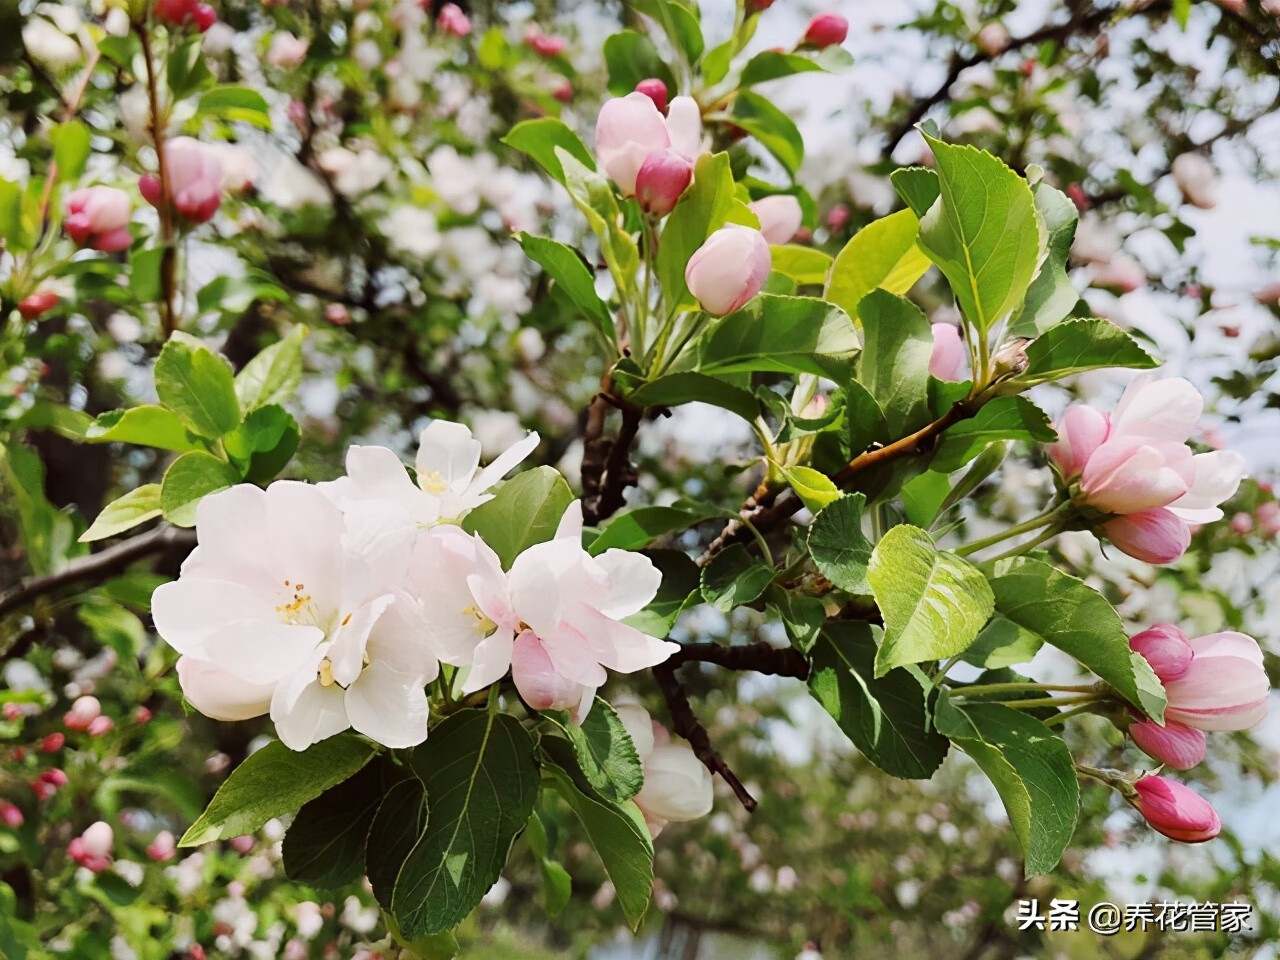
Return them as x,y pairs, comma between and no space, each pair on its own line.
607,470
98,566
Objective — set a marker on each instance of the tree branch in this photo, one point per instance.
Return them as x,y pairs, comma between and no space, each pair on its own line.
98,566
607,470
759,657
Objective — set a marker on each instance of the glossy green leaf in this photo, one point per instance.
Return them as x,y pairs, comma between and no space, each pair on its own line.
135,507
772,64
188,480
148,426
734,578
539,139
264,444
71,147
275,781
566,268
933,603
839,547
398,824
894,365
631,57
1051,295
524,511
640,527
605,753
1078,345
1004,418
196,384
324,845
677,388
274,374
804,265
680,589
886,717
882,255
771,127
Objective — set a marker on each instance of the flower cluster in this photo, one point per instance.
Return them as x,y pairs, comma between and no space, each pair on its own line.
332,606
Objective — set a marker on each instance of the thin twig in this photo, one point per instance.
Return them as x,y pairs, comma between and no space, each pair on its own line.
98,566
169,254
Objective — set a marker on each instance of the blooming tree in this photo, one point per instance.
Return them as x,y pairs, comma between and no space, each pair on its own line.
449,652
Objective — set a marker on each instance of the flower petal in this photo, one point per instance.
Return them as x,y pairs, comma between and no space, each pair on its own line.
388,706
219,694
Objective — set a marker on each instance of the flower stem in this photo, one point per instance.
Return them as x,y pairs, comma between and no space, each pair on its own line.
1026,526
1021,686
1037,702
1066,715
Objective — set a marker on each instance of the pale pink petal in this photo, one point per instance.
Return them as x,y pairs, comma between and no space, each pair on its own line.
388,707
219,694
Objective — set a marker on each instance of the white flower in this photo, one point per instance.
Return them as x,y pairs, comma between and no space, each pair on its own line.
677,785
354,172
412,230
357,917
308,919
450,482
570,602
289,606
49,45
1196,178
460,180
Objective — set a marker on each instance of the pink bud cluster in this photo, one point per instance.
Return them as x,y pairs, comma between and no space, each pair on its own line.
92,849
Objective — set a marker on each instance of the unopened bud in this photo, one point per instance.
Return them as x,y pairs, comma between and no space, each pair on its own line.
655,90
662,178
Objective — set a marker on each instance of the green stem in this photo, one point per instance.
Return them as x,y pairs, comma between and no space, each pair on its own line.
1037,702
1026,526
943,667
1052,531
1066,715
1021,686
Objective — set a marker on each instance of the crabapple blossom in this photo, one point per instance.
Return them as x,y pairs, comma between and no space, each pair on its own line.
10,815
38,303
826,30
571,602
98,217
1224,688
1176,745
450,481
780,216
677,785
949,356
662,178
194,176
1196,179
728,269
1176,810
179,12
162,848
289,606
83,712
655,90
286,50
452,20
1166,649
630,128
993,38
544,44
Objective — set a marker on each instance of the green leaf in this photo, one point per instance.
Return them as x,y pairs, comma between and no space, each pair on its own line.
189,479
734,578
113,626
524,511
241,104
983,232
70,149
804,265
679,19
593,195
1064,612
815,489
1004,418
149,426
772,64
538,139
701,210
918,187
839,547
631,57
679,589
144,273
196,384
565,266
324,846
894,366
1002,643
185,68
802,616
1078,345
772,128
715,65
481,780
616,831
15,226
776,334
399,823
640,527
677,388
605,753
275,781
263,445
886,717
274,374
933,603
1051,295
135,507
235,295
1030,767
923,496
884,255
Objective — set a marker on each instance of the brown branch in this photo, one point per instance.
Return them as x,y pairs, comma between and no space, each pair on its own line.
759,657
607,470
98,566
1080,22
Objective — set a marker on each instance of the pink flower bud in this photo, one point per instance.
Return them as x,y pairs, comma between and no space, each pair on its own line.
1242,524
677,786
142,716
1224,688
662,178
12,711
1175,810
53,743
1153,536
1175,744
728,269
1076,194
38,303
1081,430
1121,272
655,90
97,839
1268,514
54,777
780,216
544,44
563,91
452,20
194,172
179,12
825,30
162,849
98,218
242,844
540,685
628,130
10,815
837,218
100,726
82,713
43,789
1166,648
949,357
